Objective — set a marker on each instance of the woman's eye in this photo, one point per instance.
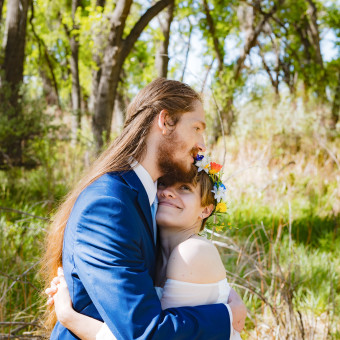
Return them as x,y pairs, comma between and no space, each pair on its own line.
185,187
197,128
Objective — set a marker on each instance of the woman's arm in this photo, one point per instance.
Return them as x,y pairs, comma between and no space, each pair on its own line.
83,326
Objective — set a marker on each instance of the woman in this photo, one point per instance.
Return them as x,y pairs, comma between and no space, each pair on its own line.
190,271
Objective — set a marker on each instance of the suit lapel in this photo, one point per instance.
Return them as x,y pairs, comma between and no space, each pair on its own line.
134,182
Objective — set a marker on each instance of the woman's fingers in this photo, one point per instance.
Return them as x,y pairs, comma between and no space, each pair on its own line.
61,277
51,290
56,280
60,271
50,301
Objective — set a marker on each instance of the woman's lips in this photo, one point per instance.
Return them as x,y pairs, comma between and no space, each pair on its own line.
169,204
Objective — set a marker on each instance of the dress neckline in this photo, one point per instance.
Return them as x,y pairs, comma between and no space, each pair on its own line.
198,284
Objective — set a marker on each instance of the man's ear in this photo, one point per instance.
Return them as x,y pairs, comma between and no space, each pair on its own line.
162,121
206,212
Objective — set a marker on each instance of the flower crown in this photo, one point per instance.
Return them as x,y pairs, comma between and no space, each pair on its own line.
214,172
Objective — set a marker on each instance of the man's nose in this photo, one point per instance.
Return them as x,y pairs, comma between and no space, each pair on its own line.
201,145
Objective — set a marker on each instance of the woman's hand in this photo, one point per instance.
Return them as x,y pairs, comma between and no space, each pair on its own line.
238,309
59,296
82,326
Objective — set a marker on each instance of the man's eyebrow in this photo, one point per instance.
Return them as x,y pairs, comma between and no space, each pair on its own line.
203,124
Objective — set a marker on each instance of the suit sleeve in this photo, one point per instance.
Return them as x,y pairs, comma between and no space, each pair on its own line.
109,262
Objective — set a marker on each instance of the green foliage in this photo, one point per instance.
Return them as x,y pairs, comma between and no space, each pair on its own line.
19,127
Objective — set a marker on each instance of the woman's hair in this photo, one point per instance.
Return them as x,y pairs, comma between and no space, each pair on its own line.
173,96
207,196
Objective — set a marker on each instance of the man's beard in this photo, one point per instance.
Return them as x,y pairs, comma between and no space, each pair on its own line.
174,170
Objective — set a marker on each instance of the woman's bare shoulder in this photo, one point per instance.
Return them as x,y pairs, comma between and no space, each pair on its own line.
195,260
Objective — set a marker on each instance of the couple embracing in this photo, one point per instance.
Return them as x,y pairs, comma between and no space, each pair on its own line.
134,266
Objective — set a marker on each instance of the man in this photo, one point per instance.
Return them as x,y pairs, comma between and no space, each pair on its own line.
106,227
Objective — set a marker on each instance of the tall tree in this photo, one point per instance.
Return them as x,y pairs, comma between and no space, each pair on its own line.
13,67
162,54
115,54
14,46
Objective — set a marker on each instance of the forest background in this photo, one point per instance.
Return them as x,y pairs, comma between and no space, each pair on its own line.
269,72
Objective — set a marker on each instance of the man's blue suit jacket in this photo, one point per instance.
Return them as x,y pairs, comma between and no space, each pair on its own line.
109,265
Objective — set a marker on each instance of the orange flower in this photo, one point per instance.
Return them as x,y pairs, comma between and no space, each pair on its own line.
215,168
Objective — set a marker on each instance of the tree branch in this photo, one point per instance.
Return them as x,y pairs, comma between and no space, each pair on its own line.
24,213
188,49
141,24
46,55
251,41
217,46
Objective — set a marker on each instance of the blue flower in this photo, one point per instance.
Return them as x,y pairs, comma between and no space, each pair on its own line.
199,157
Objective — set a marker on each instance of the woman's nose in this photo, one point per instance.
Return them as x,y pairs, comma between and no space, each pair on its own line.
168,192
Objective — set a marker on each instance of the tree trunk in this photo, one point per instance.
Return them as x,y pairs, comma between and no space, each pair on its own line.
119,111
14,46
100,3
314,37
108,81
74,64
162,55
98,40
217,46
114,56
336,106
50,94
1,5
314,31
12,68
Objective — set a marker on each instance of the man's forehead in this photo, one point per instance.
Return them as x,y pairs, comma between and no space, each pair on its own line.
199,120
197,116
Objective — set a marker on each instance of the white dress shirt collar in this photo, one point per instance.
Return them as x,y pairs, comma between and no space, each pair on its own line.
149,185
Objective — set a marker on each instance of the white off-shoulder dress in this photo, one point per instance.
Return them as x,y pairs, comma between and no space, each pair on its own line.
179,293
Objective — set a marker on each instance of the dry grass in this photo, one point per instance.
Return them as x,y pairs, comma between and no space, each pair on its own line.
283,252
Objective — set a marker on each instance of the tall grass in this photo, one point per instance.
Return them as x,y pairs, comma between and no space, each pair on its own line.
283,250
282,253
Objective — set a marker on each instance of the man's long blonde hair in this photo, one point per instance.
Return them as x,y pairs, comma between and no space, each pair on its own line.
173,96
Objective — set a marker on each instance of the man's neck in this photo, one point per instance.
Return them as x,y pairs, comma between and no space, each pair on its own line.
150,162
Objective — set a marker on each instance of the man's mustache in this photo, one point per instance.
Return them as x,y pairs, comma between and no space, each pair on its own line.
194,152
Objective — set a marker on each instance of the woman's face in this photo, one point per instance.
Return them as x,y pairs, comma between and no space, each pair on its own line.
179,206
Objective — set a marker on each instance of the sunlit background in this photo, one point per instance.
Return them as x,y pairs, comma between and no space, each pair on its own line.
269,74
